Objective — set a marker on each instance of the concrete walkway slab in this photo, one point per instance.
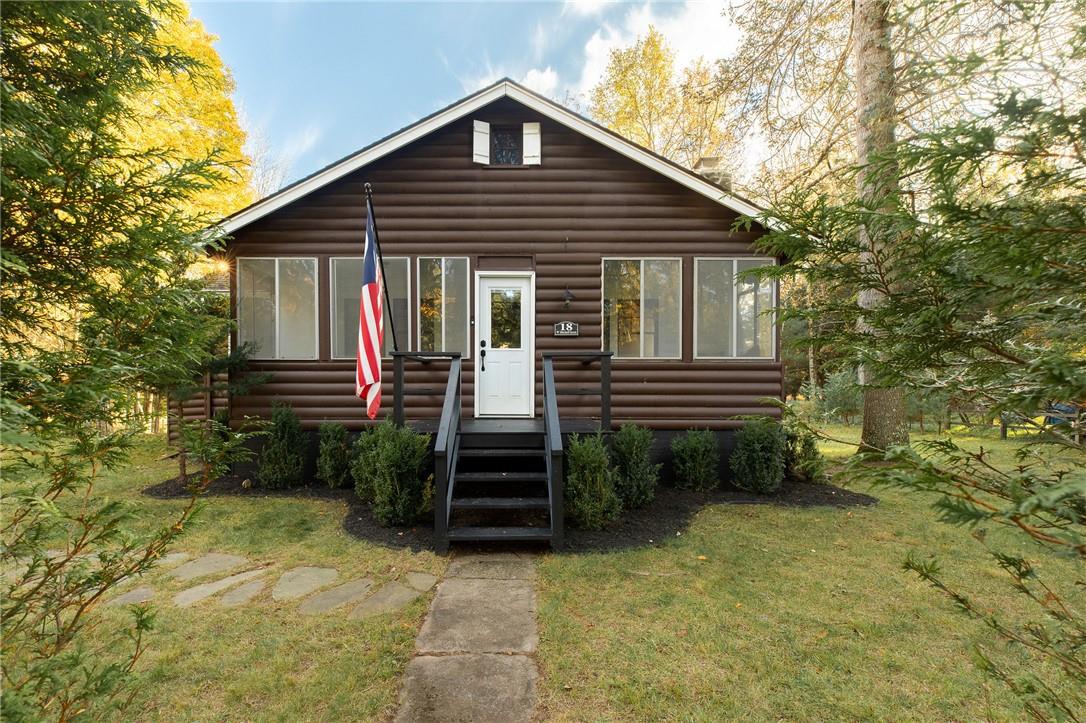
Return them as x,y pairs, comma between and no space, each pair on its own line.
209,564
480,616
241,595
338,596
301,581
200,592
468,688
497,566
389,598
172,559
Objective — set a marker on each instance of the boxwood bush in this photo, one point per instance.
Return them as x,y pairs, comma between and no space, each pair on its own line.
334,455
591,499
696,458
362,464
635,474
757,462
401,490
282,460
802,460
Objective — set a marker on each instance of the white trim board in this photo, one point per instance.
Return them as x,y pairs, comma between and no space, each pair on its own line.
502,89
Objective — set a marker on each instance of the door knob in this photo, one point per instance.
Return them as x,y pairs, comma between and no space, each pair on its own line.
482,360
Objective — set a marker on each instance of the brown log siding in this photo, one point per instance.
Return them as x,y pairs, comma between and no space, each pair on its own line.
585,202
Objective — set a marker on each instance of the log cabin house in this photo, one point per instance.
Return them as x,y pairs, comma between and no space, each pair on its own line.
545,276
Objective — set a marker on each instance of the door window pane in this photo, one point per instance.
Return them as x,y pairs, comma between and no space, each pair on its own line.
714,298
297,308
642,307
346,296
256,306
754,301
444,308
505,319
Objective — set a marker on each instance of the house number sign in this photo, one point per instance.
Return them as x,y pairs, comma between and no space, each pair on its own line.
567,328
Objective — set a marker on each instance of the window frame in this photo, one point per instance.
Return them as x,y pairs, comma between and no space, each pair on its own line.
332,307
770,261
316,303
418,303
517,131
641,303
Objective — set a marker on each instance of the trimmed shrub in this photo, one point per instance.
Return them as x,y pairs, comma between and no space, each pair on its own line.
696,457
591,500
362,464
401,493
334,455
802,460
282,460
758,459
635,474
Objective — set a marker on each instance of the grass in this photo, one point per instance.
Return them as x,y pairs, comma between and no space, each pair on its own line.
753,613
263,661
767,613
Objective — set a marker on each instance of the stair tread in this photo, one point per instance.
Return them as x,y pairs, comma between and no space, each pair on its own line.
499,533
500,452
500,476
500,503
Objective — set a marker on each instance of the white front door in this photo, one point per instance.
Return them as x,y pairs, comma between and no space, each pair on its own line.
504,341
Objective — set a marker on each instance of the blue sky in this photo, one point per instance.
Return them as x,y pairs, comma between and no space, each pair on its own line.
317,81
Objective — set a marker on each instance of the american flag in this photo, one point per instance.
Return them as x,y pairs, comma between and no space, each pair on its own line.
371,324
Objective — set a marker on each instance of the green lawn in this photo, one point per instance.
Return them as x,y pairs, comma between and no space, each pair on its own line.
264,662
767,613
754,612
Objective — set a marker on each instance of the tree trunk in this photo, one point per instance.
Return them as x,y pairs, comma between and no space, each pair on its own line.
182,461
876,184
812,362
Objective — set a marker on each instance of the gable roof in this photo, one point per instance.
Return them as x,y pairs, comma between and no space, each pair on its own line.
504,88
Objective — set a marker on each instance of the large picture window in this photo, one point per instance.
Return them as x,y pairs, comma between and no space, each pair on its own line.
733,310
347,293
277,307
642,308
443,314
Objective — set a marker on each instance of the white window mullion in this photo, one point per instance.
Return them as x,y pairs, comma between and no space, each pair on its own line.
443,262
275,306
641,306
735,308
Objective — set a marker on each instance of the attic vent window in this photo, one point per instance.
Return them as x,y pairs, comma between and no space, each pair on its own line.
506,146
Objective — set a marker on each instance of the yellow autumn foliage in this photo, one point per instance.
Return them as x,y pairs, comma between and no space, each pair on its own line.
191,115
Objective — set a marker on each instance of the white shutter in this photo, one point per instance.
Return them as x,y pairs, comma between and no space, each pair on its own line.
481,143
532,144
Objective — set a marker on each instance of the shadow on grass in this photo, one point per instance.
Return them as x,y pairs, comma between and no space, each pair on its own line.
669,514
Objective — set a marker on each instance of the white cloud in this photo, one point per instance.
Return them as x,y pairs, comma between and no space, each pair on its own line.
698,29
544,82
584,7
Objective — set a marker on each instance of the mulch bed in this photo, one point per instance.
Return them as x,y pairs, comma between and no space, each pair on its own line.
665,518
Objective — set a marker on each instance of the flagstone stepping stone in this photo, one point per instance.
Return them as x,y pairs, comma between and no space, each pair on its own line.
200,592
390,598
498,566
173,558
348,592
209,564
242,595
302,581
133,597
421,581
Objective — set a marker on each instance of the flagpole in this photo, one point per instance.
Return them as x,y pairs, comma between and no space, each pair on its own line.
381,260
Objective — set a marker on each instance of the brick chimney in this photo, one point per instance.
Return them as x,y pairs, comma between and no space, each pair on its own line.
712,168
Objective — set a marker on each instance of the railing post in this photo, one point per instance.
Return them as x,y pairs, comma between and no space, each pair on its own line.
605,393
558,502
441,512
397,390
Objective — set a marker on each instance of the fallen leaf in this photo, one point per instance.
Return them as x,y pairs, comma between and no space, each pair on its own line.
702,557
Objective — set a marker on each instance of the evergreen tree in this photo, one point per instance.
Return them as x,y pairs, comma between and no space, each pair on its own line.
97,239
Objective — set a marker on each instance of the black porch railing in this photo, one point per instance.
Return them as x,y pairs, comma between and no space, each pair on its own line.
586,358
